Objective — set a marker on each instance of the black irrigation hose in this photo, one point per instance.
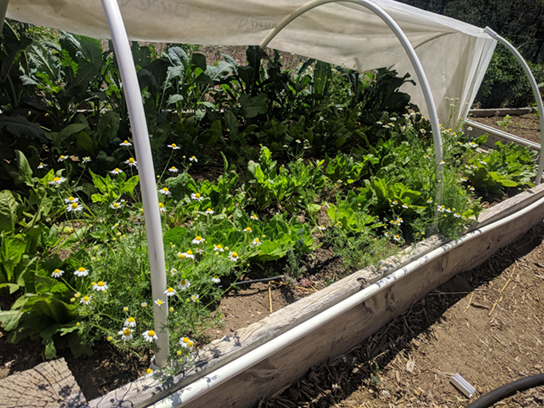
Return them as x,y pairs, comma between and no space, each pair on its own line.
507,390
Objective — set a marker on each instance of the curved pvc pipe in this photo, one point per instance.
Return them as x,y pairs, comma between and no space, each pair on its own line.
536,92
416,63
147,174
506,390
203,385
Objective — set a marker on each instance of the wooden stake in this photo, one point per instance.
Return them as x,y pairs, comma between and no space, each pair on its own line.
270,296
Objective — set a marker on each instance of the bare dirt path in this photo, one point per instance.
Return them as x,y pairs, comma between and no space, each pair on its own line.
486,324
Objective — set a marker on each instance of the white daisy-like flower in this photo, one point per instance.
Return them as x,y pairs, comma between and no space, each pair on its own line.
62,158
125,309
170,292
379,122
162,208
194,298
395,202
188,254
193,159
173,169
74,207
469,128
42,165
186,342
150,335
199,251
173,271
159,302
423,131
77,295
81,272
115,225
256,242
85,300
483,162
254,217
165,191
218,248
210,211
173,146
71,200
448,210
143,304
321,228
130,322
441,208
184,284
471,188
198,240
126,334
457,215
430,200
86,159
197,197
125,143
131,162
101,286
387,234
57,181
116,206
116,171
233,256
57,273
216,279
248,229
396,238
404,205
393,119
298,141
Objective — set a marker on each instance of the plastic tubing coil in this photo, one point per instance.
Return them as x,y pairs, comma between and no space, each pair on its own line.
507,390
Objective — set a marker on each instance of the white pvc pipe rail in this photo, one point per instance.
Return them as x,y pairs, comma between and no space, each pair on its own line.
429,100
146,171
536,92
200,387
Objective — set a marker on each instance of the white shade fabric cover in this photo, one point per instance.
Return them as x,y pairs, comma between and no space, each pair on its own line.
454,55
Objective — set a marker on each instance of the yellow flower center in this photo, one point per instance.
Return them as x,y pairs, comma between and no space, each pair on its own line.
130,319
198,238
56,271
74,205
186,340
56,179
125,141
173,145
216,277
190,344
248,229
161,205
173,168
219,246
126,332
193,157
131,160
170,289
151,333
197,195
81,269
181,256
190,252
86,299
183,282
100,283
235,254
70,198
257,240
165,189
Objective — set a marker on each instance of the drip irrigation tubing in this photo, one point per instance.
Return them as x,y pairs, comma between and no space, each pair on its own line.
506,390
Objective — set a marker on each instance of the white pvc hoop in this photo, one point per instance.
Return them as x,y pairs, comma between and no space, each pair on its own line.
536,92
414,59
146,171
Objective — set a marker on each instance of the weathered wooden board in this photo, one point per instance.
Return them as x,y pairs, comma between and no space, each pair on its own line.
48,385
147,390
500,112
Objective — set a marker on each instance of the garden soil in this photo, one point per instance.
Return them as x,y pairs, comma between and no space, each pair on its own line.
526,126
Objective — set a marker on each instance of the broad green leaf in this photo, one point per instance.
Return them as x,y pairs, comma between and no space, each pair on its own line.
85,143
8,211
10,319
67,132
252,107
11,251
25,172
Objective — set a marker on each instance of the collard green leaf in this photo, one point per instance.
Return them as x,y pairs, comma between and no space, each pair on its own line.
8,211
253,106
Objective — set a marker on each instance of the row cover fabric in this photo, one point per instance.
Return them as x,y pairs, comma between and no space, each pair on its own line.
454,55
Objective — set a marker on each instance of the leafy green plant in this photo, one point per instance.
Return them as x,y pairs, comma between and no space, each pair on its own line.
505,123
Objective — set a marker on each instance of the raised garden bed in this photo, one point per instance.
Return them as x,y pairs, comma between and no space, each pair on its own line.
340,334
